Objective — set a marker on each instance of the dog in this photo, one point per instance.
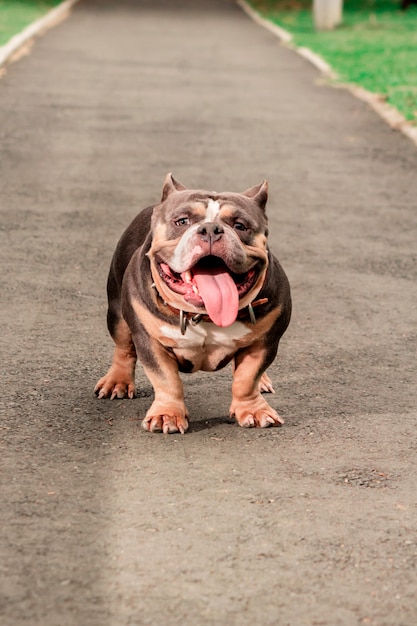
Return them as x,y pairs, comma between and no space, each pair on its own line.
193,286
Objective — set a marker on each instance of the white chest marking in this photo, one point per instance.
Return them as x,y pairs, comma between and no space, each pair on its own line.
206,334
213,207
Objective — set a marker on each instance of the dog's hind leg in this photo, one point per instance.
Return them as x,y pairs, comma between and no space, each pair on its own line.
119,382
265,384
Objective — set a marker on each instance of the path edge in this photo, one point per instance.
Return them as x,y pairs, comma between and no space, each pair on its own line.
386,111
35,29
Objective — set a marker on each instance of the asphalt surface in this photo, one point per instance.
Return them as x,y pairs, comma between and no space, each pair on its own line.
104,524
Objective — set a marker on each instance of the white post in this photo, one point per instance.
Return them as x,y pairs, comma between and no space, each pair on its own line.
327,13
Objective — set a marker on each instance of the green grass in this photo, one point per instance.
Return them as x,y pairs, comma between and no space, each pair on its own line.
375,47
17,14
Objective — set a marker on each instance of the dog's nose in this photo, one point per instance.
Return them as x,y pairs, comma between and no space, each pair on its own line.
210,231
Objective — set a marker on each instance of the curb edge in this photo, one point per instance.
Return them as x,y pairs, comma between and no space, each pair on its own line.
34,29
375,101
282,34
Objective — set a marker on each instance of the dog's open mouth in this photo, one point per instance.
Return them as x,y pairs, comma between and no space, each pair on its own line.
210,284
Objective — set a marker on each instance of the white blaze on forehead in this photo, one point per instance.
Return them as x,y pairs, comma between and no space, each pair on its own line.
213,207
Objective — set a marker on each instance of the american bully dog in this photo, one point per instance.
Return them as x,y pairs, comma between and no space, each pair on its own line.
193,286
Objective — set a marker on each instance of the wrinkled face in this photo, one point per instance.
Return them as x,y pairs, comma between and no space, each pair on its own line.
209,250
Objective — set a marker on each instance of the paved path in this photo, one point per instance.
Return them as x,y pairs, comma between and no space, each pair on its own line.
106,525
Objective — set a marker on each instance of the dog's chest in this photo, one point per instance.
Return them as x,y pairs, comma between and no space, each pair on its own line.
204,346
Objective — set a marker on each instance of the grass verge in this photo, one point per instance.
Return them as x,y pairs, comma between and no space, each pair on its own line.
375,47
15,15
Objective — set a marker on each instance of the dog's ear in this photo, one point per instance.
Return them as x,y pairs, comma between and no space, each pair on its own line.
171,185
259,193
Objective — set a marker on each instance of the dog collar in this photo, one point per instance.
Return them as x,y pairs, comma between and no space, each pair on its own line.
196,318
188,317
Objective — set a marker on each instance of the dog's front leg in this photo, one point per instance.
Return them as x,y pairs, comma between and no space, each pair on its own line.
168,413
248,406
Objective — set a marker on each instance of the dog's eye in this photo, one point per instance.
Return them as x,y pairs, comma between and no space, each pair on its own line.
239,226
182,221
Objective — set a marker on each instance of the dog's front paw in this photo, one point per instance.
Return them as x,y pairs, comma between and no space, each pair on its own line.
167,420
117,383
255,414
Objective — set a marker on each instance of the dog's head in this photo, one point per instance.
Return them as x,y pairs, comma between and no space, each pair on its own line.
209,250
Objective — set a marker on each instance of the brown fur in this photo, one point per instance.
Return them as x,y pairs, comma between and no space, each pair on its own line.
145,303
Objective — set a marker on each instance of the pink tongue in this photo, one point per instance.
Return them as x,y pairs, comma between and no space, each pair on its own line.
219,294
